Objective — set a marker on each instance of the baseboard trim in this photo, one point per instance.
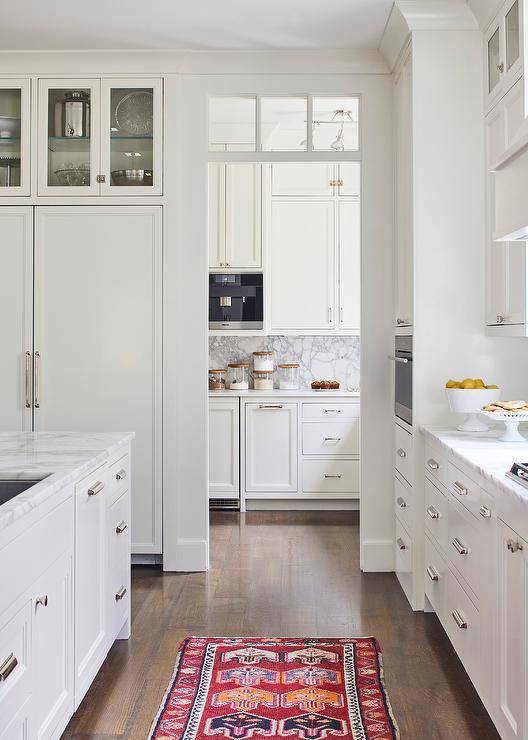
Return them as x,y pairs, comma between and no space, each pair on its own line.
189,555
254,504
377,556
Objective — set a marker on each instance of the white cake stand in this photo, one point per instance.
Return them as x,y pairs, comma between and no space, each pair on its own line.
511,419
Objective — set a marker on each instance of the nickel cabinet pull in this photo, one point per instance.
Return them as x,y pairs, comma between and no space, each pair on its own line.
459,619
401,453
403,360
101,178
460,547
330,315
332,439
433,513
270,406
514,546
120,594
485,512
28,380
337,475
121,474
401,544
332,411
401,502
460,489
37,380
96,488
432,573
121,527
42,600
7,667
432,464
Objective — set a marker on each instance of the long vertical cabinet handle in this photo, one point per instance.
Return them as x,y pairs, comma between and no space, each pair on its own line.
28,380
37,380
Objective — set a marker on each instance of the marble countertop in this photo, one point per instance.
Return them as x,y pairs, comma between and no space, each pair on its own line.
305,393
61,456
484,453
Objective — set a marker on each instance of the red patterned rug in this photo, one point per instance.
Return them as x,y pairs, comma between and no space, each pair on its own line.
259,688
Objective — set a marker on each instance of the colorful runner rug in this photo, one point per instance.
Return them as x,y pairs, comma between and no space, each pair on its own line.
258,688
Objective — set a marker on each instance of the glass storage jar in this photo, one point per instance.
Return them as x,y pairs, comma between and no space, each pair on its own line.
289,376
263,361
238,376
217,380
263,380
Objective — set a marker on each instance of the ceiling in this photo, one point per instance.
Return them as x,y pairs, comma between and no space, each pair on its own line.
187,24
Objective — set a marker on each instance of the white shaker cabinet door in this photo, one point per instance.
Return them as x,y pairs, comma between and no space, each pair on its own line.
16,302
271,447
302,179
349,212
223,447
217,255
243,216
98,337
302,269
349,180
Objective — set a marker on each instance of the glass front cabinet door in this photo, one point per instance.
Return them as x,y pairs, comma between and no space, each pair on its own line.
100,137
14,137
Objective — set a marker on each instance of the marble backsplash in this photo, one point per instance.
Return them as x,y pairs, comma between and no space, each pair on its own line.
319,357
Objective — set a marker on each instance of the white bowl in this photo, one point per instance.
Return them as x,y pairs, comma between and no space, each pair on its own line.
471,401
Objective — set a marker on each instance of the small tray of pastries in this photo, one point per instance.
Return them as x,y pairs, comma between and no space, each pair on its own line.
325,385
509,408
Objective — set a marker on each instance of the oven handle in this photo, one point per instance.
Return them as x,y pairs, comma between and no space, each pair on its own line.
398,359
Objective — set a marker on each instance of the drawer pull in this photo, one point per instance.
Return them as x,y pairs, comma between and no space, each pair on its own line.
121,474
432,573
332,439
337,475
460,489
401,453
485,512
459,619
96,488
42,601
332,411
121,527
401,502
401,544
270,406
432,464
433,513
460,547
120,594
514,546
7,667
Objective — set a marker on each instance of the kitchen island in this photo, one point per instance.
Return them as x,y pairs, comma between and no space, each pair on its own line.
65,571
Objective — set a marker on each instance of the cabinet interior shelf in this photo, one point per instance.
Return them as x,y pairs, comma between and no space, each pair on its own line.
82,143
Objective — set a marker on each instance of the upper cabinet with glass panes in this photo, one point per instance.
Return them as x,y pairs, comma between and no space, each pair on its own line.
100,137
296,123
503,51
14,137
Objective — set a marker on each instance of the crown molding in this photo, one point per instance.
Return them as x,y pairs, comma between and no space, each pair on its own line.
408,16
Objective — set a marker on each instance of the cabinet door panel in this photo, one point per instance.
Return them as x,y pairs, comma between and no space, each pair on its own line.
302,178
350,177
98,331
52,647
16,302
349,264
271,447
217,255
302,264
15,137
223,448
243,217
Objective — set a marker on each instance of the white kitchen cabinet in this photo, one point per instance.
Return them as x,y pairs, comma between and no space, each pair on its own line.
91,130
403,263
98,337
271,447
15,136
503,51
52,642
224,455
302,179
349,179
16,289
302,265
349,239
235,216
512,602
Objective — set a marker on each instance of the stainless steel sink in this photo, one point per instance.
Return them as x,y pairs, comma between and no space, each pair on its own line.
11,487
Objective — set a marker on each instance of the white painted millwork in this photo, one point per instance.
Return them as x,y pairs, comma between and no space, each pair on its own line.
10,87
349,275
503,51
303,179
271,435
224,454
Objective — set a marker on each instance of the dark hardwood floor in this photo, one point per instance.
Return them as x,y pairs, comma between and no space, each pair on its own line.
282,574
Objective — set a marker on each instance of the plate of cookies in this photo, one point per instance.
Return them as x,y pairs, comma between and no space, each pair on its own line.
511,413
326,385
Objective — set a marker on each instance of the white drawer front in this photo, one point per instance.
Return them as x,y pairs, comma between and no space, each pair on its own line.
464,545
436,464
16,682
331,438
435,577
118,533
404,546
462,623
403,502
436,514
119,478
464,489
330,411
331,476
403,452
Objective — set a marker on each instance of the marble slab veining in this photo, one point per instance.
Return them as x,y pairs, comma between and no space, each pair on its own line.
61,456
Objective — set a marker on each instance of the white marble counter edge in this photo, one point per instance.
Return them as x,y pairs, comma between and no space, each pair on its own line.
35,496
493,476
323,395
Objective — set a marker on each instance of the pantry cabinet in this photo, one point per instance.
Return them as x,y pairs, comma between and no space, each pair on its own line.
15,137
235,216
503,57
271,434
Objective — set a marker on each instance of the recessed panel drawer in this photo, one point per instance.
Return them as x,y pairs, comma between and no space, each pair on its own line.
462,624
435,577
403,557
464,545
331,476
436,464
331,438
436,514
403,450
330,411
15,669
464,489
119,478
403,502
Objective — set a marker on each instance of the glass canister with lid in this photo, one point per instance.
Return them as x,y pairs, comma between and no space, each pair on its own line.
238,376
263,361
263,380
289,376
217,380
